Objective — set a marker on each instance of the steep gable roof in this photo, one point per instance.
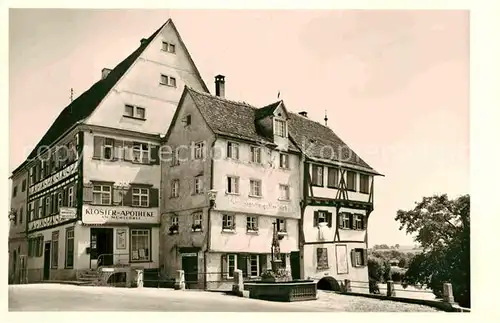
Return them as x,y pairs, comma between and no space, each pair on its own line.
85,104
236,119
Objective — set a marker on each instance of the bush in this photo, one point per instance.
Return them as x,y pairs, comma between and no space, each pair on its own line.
373,286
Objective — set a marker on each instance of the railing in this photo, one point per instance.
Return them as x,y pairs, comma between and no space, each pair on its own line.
114,262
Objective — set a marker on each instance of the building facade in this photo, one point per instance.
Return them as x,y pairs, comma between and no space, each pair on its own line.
18,243
94,177
233,153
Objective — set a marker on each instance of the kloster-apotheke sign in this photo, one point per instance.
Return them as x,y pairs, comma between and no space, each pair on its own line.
93,214
54,179
66,215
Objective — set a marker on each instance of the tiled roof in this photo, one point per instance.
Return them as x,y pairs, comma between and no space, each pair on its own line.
237,120
319,141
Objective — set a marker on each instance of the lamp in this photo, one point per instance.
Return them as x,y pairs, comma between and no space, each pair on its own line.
212,195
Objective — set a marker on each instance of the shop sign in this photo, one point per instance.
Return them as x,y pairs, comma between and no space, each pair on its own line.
93,214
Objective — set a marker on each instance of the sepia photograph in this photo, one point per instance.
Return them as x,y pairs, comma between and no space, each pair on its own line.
206,160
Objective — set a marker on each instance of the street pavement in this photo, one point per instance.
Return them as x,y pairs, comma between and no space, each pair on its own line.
57,297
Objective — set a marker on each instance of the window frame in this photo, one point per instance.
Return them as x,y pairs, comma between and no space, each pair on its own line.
174,188
279,228
230,274
249,267
197,225
228,222
284,161
102,192
362,188
256,154
70,196
141,148
198,185
252,223
335,171
170,80
135,112
233,148
322,259
199,150
166,47
255,188
284,188
229,185
54,252
318,173
141,196
280,128
346,218
354,188
66,249
149,244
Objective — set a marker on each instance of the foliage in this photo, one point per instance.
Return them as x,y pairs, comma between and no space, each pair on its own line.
404,262
379,269
280,274
397,274
442,227
373,286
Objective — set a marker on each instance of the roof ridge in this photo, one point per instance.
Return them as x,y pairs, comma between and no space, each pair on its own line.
246,104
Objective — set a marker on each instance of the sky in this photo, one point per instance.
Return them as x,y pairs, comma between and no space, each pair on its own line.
394,84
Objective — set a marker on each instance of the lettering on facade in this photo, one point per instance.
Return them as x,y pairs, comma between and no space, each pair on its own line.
50,221
103,214
54,179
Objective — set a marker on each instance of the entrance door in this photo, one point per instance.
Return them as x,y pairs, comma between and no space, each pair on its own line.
46,261
190,267
101,246
295,264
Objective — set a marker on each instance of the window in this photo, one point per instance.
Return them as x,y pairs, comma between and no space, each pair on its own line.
168,80
255,187
140,197
255,155
70,247
21,215
284,192
135,112
14,191
175,158
322,258
42,169
231,265
345,221
167,47
175,220
359,222
333,177
228,222
40,208
254,266
174,188
70,196
197,221
31,211
101,194
281,225
252,224
48,205
233,150
322,217
198,185
284,161
140,241
359,257
317,175
32,175
199,150
279,128
24,185
59,201
55,249
233,185
364,181
141,152
351,180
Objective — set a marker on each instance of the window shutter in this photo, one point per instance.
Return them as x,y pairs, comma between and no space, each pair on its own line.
118,151
329,219
127,150
40,247
117,197
127,197
353,258
365,257
98,146
351,221
314,174
65,197
155,159
153,197
363,222
223,266
75,192
315,218
228,150
87,193
237,152
263,262
35,213
339,221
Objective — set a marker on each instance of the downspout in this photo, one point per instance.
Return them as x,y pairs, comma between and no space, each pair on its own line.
210,205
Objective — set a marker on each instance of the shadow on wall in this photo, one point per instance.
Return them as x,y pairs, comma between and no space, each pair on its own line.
328,283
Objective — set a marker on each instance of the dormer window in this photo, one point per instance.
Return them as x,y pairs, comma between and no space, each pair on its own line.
279,128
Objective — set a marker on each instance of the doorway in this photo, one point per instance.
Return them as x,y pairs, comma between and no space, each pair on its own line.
101,246
295,264
190,267
46,261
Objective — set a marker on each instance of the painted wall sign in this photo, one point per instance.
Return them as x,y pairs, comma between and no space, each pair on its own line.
190,254
97,214
54,179
266,206
341,253
49,221
67,212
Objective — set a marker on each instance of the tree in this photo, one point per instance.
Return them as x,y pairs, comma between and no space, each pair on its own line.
403,263
397,246
442,227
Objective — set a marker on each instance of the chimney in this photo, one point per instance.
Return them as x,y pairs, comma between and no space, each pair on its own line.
105,72
303,113
219,85
143,40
